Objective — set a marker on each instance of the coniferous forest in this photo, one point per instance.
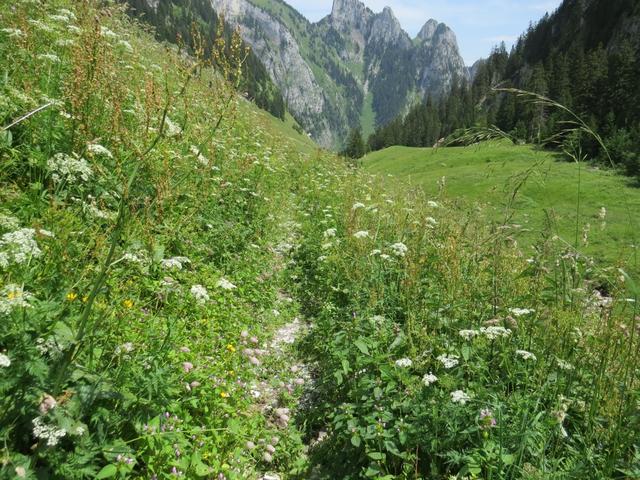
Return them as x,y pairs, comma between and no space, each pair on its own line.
581,56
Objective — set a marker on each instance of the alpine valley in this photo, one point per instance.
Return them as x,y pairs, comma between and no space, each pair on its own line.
352,69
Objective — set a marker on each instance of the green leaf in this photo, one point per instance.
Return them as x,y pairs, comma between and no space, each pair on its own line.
107,472
376,455
362,346
356,441
466,351
508,459
338,375
345,366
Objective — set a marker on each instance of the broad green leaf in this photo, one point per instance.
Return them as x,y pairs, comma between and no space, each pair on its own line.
356,441
362,346
107,472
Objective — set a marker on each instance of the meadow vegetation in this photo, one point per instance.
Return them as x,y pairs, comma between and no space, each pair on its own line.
161,241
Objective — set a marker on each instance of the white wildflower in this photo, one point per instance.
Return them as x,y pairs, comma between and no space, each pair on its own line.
429,378
12,297
494,332
8,222
18,247
172,130
66,13
79,431
126,45
200,294
399,249
448,361
50,433
404,363
519,312
59,18
176,263
4,361
357,206
564,365
459,396
432,204
132,258
361,234
468,334
124,348
602,213
68,168
99,150
526,355
202,160
49,57
225,284
12,32
330,233
105,32
40,25
431,222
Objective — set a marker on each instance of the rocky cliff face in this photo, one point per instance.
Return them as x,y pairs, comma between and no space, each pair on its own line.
354,60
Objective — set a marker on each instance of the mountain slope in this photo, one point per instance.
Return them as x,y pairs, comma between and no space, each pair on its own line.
352,61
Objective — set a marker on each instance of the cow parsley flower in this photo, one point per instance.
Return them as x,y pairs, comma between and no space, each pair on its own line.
18,247
330,233
404,363
8,222
50,433
361,234
399,249
526,355
12,297
105,32
49,57
357,206
495,331
519,312
5,362
200,294
459,396
429,378
99,150
225,284
68,168
448,361
12,32
174,263
468,334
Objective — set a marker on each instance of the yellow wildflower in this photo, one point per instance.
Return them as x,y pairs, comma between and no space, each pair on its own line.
71,296
128,303
224,394
231,348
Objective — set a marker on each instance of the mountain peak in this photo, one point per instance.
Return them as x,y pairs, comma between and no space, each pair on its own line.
350,13
428,30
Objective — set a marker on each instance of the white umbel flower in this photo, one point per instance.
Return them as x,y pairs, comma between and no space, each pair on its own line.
18,247
459,396
494,332
4,361
361,234
404,363
225,284
519,312
68,168
448,361
429,378
50,433
468,334
330,233
13,296
174,263
357,206
526,355
200,293
99,150
399,249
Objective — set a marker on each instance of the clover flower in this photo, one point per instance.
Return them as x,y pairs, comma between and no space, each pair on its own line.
448,361
487,420
225,284
68,168
187,366
526,355
399,249
200,294
429,378
404,363
459,396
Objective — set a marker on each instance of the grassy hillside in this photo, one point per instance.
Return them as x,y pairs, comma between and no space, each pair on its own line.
190,289
551,195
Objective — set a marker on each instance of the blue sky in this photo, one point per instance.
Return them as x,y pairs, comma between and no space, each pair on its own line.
478,24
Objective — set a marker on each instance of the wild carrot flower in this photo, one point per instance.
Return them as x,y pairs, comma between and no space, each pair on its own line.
99,150
174,263
187,366
225,284
50,433
459,396
448,361
330,233
494,332
68,168
519,312
404,363
361,234
18,247
526,355
429,378
357,206
468,334
200,294
399,249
